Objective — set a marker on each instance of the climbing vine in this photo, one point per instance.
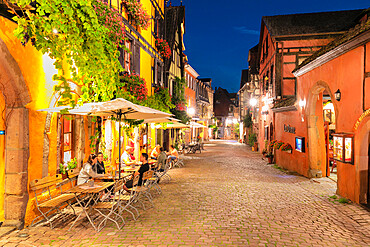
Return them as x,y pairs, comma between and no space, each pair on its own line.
82,37
178,100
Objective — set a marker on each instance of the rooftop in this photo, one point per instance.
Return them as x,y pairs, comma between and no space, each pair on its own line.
311,23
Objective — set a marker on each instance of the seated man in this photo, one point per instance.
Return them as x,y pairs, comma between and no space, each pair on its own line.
155,152
126,156
144,167
173,155
162,158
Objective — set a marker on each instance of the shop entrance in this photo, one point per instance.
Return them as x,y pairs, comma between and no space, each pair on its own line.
329,129
321,115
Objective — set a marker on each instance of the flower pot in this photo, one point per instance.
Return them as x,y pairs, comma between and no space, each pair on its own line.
270,158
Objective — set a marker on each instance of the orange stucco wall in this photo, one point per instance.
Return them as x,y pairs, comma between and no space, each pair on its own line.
296,161
345,73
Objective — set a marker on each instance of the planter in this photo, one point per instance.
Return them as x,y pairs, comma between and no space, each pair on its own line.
65,176
270,158
288,151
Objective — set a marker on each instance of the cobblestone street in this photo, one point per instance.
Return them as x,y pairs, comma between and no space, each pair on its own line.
226,196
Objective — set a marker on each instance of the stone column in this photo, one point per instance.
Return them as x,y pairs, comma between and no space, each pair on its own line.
16,166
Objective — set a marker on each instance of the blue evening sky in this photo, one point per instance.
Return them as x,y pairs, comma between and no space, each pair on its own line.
219,33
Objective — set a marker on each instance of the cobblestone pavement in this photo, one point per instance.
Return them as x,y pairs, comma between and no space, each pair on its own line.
226,196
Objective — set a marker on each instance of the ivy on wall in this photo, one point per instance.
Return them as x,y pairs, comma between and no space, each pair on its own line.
85,34
178,100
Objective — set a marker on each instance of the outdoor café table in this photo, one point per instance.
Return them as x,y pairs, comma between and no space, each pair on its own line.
108,177
91,197
131,169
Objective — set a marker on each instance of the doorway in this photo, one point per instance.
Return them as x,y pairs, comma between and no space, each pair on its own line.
320,123
328,114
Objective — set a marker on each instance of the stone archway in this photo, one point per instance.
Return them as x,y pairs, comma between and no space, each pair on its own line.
16,96
315,130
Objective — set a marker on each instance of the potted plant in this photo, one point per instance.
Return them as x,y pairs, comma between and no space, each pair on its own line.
64,168
270,157
264,152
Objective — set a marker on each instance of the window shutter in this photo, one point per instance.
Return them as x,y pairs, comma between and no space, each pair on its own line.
136,57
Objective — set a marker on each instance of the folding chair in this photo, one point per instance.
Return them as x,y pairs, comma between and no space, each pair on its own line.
143,190
127,199
109,210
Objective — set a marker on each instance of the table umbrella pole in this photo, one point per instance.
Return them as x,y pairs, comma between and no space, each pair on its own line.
147,138
119,145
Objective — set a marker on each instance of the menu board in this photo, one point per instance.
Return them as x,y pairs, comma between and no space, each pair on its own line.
343,147
348,149
338,148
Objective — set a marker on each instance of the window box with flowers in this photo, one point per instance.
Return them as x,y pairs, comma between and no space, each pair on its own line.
136,13
286,148
67,166
133,88
278,144
163,48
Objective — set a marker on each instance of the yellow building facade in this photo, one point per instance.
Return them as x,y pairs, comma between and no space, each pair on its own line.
32,142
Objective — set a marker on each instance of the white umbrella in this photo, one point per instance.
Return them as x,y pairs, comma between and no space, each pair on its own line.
161,120
196,125
175,126
119,108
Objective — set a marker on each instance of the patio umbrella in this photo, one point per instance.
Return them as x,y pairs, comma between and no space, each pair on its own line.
119,108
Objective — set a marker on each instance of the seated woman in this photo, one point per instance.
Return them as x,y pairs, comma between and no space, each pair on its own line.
87,171
173,155
98,167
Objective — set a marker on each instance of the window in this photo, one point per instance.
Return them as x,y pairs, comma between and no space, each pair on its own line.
66,148
125,57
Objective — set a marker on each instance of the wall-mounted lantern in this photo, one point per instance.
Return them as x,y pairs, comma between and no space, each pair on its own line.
338,95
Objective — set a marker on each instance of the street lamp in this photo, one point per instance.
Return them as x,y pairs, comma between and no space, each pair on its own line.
253,102
191,111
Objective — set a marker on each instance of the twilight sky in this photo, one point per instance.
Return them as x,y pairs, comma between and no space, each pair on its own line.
219,33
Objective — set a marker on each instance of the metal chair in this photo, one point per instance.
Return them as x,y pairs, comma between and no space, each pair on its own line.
109,210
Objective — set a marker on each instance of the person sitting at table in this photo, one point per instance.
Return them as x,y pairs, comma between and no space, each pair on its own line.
143,168
173,155
98,167
126,157
162,158
155,152
87,171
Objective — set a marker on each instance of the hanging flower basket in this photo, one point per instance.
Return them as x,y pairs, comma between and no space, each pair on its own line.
136,13
135,86
163,48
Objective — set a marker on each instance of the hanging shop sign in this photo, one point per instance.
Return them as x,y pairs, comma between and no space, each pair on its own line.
365,114
289,129
343,147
